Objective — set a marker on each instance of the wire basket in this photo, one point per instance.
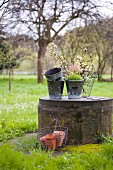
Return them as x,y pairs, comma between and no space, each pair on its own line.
52,137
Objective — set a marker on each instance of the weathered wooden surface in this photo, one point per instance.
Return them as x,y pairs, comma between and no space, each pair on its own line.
84,117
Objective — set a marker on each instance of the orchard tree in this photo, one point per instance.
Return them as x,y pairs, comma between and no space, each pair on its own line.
102,43
72,44
69,45
10,55
97,37
44,19
6,61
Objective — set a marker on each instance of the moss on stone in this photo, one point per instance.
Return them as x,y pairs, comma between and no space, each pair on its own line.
83,148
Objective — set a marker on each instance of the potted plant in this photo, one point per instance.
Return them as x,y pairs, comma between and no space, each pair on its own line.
77,75
55,83
74,82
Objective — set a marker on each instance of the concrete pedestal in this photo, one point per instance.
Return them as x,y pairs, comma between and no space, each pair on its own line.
84,117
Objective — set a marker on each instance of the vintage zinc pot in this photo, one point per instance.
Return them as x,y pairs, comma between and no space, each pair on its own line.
55,89
74,88
54,74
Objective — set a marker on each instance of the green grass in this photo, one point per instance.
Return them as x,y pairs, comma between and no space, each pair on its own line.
104,89
19,108
19,115
25,143
14,160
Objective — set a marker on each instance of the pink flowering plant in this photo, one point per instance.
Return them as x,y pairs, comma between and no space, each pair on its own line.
74,72
74,68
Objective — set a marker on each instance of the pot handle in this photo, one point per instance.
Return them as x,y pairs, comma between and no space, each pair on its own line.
56,123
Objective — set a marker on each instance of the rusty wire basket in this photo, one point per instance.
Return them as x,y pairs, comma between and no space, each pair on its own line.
52,137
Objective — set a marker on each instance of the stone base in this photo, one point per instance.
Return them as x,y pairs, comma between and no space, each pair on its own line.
84,117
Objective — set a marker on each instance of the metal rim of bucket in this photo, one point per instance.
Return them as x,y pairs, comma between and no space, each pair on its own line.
52,71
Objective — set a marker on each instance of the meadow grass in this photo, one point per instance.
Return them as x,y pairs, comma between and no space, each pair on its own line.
19,115
14,160
104,89
19,108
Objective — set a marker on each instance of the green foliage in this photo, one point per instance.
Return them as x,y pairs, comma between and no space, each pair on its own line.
25,143
74,77
18,115
11,159
18,109
7,59
105,139
108,150
14,160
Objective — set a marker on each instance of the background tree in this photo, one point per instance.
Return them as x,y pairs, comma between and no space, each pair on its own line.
6,61
45,19
13,51
69,45
72,44
97,37
102,43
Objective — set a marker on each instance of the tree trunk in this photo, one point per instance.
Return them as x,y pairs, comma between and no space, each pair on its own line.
10,79
111,73
99,74
103,64
41,54
99,69
112,69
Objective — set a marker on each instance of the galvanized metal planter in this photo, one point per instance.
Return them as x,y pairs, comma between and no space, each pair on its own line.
74,88
55,89
55,83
